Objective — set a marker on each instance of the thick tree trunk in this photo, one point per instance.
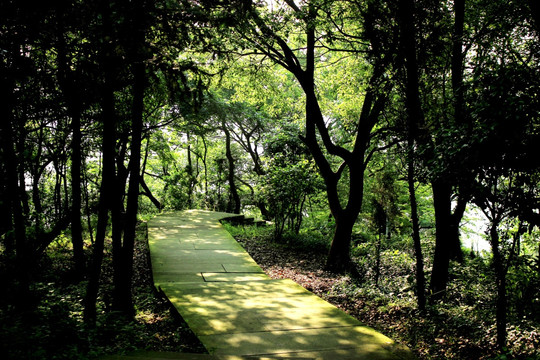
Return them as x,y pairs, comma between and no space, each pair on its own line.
459,117
339,258
17,242
441,260
447,243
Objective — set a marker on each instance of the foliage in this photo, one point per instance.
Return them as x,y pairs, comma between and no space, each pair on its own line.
290,180
55,329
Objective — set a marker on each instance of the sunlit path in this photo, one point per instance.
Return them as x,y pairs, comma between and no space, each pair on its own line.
236,309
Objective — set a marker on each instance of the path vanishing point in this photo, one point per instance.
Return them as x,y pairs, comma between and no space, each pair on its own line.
237,311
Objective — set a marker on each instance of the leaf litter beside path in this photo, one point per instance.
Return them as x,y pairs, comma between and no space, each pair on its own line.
444,333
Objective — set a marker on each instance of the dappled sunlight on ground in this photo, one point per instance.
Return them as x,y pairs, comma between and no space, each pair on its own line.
235,308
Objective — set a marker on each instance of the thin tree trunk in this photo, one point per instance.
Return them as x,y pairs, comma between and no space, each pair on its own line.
205,154
36,176
145,187
8,164
87,206
190,173
500,273
457,60
123,300
232,184
21,188
74,105
106,192
415,117
149,195
378,259
420,277
76,193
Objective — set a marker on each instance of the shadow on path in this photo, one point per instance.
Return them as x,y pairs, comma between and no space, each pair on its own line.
236,309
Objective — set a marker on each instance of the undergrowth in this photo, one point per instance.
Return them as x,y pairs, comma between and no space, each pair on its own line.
460,327
54,328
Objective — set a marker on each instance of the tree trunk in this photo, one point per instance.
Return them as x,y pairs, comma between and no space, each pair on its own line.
190,173
123,300
106,193
76,225
420,278
36,176
459,117
232,184
19,143
74,105
17,243
339,257
500,273
149,195
415,119
317,134
147,191
87,205
118,221
535,12
378,258
205,154
456,253
441,260
457,60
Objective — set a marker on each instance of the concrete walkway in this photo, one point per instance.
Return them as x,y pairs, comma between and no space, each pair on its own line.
236,309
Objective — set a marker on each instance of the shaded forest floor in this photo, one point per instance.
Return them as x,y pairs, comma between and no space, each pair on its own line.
54,327
444,332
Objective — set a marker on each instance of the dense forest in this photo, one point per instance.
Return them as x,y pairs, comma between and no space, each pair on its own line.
402,136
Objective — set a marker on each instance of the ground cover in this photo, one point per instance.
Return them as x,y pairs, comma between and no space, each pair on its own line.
54,329
451,330
460,329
